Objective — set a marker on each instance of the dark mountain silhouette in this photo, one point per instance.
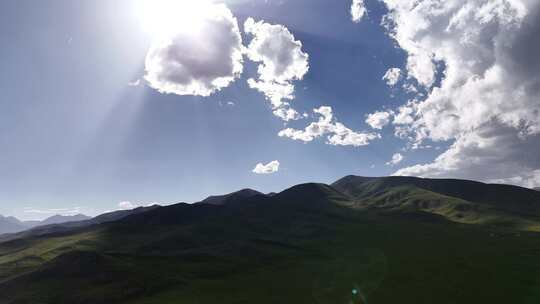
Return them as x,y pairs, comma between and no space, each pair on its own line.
382,240
118,215
231,197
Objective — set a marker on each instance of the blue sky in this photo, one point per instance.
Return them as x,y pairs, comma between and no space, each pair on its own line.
75,136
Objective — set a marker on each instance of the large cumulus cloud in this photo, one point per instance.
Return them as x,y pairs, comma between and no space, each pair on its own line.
197,61
488,101
281,61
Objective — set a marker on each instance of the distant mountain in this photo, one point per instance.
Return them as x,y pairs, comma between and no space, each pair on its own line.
537,188
59,219
359,240
14,225
11,225
65,224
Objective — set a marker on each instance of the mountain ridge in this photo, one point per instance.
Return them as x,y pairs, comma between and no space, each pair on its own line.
69,225
457,200
59,219
310,241
17,225
10,225
224,199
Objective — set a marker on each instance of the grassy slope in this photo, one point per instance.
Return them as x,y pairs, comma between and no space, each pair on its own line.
456,200
293,248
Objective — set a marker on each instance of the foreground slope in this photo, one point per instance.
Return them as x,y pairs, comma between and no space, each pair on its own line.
303,245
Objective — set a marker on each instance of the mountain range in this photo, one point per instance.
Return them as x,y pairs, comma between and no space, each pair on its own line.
358,240
12,225
55,224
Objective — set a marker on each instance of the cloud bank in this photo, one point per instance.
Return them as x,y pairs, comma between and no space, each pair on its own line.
55,211
488,102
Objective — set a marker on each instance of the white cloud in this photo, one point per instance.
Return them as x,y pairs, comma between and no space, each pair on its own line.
494,152
337,133
199,61
274,92
134,83
281,61
379,120
226,103
482,47
358,10
127,205
287,113
392,76
270,168
530,180
343,136
281,56
396,159
55,211
404,115
488,100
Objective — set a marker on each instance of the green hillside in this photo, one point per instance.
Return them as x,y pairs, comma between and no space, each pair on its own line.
457,200
303,245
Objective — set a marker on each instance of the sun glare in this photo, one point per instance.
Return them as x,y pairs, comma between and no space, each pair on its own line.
166,17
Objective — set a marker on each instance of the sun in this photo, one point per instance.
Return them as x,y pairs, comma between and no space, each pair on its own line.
168,17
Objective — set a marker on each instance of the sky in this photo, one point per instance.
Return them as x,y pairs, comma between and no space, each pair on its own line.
108,105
